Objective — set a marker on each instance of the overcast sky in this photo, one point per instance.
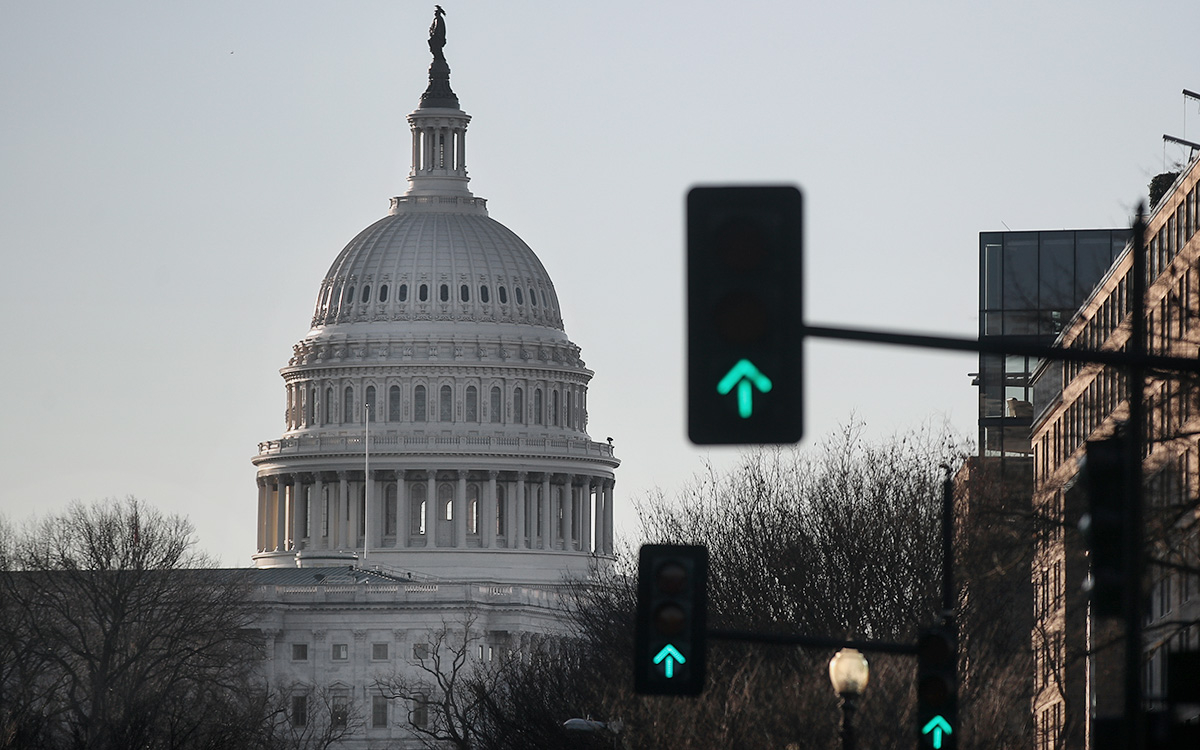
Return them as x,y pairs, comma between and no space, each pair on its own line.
175,179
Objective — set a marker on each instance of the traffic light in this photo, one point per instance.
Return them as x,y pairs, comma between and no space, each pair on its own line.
937,688
745,315
669,647
1104,526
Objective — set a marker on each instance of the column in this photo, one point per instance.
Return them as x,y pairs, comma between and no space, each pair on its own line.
299,511
403,512
281,512
608,517
262,513
518,499
585,516
460,510
568,512
316,501
431,502
340,516
352,499
547,508
489,514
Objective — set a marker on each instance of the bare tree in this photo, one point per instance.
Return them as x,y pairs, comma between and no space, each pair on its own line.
118,634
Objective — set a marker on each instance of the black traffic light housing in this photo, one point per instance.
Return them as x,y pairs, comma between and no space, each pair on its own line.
1105,526
937,687
672,608
745,315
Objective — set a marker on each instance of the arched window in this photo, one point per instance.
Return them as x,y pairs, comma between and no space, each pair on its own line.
537,406
446,502
310,406
472,509
402,293
370,415
383,290
348,298
533,297
416,509
472,406
518,406
329,401
503,296
567,398
394,403
554,408
423,293
497,408
366,294
520,298
444,293
483,294
419,410
465,293
389,510
446,404
501,513
348,405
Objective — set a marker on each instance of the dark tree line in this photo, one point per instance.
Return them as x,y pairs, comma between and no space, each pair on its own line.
115,633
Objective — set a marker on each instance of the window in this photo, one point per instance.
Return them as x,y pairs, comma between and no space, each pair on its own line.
370,415
420,650
348,405
423,293
533,297
496,404
503,296
394,403
378,711
383,293
520,298
402,293
554,408
537,406
464,293
444,293
341,711
500,511
446,501
420,711
366,293
416,518
329,399
472,404
419,410
340,652
379,652
483,294
349,298
299,710
446,404
299,652
472,509
518,407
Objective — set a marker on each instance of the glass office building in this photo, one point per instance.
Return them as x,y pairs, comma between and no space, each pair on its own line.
1030,285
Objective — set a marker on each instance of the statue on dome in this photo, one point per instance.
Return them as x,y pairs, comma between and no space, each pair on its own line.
437,33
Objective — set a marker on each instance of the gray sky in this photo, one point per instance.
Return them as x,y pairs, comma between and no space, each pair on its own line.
175,179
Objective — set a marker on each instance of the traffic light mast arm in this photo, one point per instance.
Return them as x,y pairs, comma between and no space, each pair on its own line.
959,344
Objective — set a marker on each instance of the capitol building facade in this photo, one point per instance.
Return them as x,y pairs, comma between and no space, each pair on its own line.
435,473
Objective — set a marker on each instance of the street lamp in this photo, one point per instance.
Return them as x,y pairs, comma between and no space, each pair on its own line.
848,671
590,726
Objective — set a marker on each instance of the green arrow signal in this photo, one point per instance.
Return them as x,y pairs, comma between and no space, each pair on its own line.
938,726
746,377
671,655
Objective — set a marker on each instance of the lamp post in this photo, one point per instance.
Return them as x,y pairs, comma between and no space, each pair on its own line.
848,671
590,726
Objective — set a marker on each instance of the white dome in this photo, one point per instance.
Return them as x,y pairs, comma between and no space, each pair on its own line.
437,258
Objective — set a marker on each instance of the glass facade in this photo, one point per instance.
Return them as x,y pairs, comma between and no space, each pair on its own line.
1030,285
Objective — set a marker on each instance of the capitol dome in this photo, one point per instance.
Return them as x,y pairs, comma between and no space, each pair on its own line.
436,411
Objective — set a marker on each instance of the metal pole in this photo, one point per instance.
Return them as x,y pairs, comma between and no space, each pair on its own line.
366,481
848,708
947,543
1134,719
